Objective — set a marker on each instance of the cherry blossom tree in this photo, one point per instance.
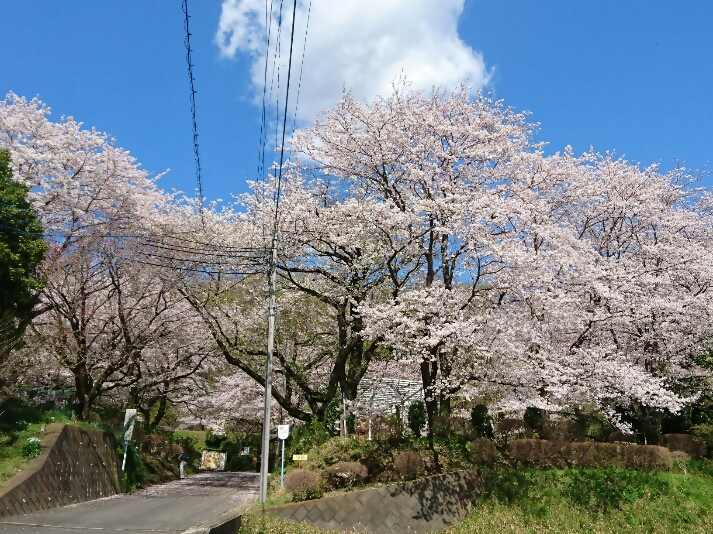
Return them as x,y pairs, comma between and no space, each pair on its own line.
622,301
427,231
106,314
444,165
519,259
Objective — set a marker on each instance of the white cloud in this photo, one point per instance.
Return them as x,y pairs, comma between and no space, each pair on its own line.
362,45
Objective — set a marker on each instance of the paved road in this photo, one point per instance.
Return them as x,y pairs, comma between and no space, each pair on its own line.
168,508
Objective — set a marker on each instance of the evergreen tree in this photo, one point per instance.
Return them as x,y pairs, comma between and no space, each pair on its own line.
22,248
417,417
481,421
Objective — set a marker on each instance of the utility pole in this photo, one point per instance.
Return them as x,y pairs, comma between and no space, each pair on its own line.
265,457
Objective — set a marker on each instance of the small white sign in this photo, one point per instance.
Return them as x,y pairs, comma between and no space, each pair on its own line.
283,431
128,429
246,451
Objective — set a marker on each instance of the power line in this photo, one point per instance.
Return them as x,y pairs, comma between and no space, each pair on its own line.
256,260
263,124
278,60
146,236
141,241
187,42
284,120
299,85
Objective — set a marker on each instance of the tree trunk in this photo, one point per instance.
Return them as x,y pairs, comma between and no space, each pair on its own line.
428,375
82,397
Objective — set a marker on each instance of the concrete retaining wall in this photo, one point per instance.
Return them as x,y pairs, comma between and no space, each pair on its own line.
75,465
420,506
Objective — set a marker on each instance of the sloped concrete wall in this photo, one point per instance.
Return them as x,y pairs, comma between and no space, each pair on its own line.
76,465
416,507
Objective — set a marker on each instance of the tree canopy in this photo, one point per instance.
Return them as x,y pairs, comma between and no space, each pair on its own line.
22,249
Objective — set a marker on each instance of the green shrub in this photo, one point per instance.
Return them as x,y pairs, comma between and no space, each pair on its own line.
351,423
705,432
346,474
512,428
563,430
533,417
409,465
135,474
481,421
376,455
543,454
17,414
213,441
482,451
417,417
596,425
304,485
701,467
691,445
332,416
507,487
308,436
236,460
606,489
452,426
30,450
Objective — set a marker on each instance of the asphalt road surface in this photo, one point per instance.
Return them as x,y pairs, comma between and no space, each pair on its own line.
169,508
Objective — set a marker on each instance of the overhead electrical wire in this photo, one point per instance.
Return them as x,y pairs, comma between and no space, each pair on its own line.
302,64
276,62
142,235
191,79
263,124
143,240
275,71
162,242
257,259
284,120
142,243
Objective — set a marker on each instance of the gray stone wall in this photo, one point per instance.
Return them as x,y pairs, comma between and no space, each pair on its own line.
75,465
416,507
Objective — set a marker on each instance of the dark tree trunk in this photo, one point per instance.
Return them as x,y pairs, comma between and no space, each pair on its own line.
428,375
83,399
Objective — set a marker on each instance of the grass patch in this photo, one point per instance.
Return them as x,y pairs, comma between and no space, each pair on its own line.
198,437
596,501
16,450
255,522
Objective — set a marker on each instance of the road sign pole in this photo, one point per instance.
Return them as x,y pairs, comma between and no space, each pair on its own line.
283,432
282,472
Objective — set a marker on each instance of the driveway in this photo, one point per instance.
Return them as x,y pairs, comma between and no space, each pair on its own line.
168,508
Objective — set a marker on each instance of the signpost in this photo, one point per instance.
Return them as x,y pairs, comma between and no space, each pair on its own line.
127,431
283,431
299,458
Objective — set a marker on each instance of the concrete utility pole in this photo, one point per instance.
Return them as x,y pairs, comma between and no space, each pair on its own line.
265,456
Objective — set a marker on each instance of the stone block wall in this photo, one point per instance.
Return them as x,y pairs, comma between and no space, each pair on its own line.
416,507
75,465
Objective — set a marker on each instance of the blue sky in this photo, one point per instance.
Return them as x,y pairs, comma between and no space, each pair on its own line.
635,77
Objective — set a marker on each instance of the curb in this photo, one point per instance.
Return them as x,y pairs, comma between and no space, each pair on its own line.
226,523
